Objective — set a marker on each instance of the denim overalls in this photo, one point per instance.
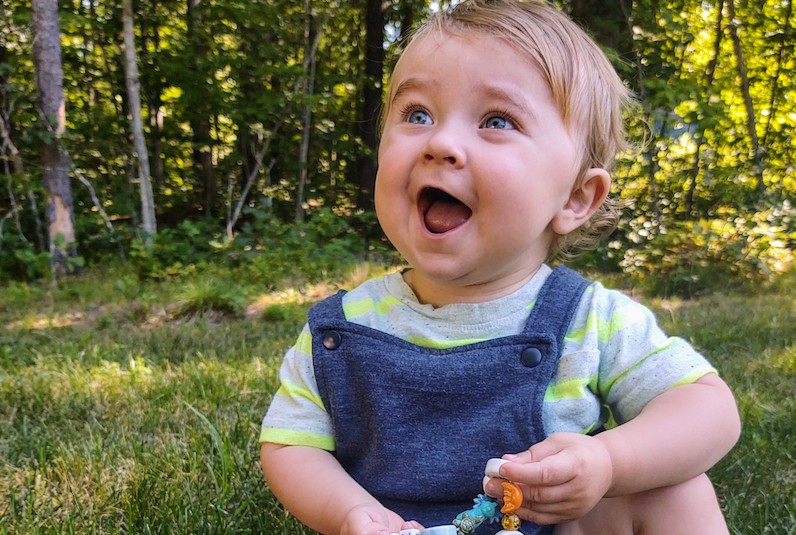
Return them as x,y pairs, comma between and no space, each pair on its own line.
415,426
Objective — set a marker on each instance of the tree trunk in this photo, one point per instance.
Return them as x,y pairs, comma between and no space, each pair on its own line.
757,153
136,123
407,20
55,165
368,124
606,21
200,123
782,55
253,42
649,153
307,89
8,146
709,77
152,97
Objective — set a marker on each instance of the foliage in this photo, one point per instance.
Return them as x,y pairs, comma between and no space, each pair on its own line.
221,86
693,258
115,414
210,295
173,251
325,246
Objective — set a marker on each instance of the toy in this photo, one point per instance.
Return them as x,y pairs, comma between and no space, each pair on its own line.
484,509
512,498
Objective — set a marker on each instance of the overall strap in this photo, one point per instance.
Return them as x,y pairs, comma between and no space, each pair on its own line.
329,310
556,304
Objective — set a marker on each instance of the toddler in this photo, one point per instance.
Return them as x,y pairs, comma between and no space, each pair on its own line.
500,127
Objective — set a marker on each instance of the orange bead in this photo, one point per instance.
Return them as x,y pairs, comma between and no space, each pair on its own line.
512,497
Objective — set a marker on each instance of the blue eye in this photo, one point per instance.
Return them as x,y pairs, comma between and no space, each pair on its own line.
418,117
497,122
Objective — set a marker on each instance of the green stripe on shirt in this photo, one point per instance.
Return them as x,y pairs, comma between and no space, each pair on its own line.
292,391
304,342
290,437
569,389
434,343
355,309
609,384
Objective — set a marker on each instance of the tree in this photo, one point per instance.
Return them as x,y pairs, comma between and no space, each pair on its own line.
312,34
743,77
371,100
136,123
199,47
55,165
229,97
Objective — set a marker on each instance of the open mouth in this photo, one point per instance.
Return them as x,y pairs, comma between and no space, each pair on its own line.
441,211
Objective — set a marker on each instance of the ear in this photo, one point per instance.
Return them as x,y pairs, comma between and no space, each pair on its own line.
584,200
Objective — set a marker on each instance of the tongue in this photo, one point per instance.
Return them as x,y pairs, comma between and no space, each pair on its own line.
446,214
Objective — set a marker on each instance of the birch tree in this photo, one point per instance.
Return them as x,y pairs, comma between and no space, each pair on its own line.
311,38
136,123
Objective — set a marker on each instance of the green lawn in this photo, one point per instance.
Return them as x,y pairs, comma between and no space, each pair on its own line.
122,411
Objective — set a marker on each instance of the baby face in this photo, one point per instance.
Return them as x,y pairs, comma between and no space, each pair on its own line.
475,167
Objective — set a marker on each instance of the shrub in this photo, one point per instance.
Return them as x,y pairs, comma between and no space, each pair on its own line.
693,258
173,251
209,294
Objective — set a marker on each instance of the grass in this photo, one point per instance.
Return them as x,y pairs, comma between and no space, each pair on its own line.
135,408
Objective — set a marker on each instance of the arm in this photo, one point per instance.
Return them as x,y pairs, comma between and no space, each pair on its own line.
312,485
677,436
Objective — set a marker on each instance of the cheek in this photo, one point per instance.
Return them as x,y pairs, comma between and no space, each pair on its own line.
391,167
516,209
389,212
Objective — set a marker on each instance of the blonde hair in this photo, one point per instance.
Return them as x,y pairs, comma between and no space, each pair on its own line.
585,87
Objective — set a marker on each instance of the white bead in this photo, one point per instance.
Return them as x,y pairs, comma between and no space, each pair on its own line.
493,467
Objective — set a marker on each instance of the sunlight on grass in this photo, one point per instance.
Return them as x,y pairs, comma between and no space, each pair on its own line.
311,293
41,321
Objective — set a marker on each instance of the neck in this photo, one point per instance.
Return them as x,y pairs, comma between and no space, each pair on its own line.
438,294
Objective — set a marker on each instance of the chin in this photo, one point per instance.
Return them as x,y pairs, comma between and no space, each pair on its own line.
455,278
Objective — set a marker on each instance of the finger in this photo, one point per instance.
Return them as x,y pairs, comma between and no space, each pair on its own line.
545,516
535,453
549,513
553,470
538,497
493,486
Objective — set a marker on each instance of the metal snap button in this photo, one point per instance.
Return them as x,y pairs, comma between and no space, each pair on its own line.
531,357
332,340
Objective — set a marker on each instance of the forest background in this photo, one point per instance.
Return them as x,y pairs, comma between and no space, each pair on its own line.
170,134
182,179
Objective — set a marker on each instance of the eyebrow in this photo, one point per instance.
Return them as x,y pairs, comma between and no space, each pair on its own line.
513,98
410,84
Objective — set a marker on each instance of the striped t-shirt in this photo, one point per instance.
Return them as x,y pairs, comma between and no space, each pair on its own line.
614,358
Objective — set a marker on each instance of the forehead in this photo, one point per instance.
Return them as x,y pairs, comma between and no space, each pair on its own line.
436,56
443,49
473,69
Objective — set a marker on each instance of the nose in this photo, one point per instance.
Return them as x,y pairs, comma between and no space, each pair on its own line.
446,146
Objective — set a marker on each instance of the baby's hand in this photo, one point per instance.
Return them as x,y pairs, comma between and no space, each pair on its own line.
562,478
374,519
